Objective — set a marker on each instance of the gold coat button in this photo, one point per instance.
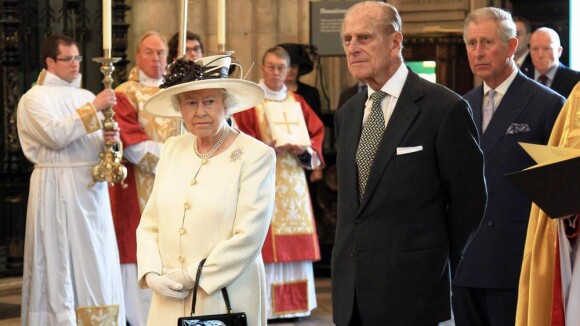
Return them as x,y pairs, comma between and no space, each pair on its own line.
194,181
180,259
186,205
182,230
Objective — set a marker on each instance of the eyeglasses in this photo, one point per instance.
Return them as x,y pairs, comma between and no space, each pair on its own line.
70,60
194,49
280,68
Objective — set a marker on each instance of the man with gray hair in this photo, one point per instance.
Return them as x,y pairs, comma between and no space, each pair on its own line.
508,108
411,188
545,50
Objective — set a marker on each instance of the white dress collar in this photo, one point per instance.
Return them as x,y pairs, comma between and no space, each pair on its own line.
148,81
50,79
274,95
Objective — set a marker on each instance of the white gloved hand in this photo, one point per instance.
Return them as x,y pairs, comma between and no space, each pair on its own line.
180,276
165,286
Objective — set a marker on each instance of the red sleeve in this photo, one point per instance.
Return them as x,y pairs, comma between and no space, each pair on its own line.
128,119
247,122
314,125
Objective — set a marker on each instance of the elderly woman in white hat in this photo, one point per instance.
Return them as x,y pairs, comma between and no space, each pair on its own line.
213,198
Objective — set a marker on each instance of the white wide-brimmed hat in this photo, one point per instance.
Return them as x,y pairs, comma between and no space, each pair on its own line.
206,73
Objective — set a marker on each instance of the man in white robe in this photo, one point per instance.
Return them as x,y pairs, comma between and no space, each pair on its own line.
71,264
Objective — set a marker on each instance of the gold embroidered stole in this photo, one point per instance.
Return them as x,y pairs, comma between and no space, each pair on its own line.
157,129
535,300
98,315
293,213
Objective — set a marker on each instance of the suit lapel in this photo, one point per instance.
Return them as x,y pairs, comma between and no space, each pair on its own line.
513,103
401,120
559,81
477,107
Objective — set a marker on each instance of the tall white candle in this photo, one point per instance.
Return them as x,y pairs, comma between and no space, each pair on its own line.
107,24
221,22
182,29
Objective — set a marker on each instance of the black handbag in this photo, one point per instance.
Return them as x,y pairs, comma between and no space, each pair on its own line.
229,319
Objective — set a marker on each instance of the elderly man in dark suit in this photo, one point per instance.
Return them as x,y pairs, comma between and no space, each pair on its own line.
545,50
411,186
508,108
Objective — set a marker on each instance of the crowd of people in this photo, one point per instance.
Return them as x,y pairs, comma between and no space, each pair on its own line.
426,219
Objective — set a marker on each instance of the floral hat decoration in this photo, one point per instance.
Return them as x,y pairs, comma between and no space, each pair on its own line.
206,73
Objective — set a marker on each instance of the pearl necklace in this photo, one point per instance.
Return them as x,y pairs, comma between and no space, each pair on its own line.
215,147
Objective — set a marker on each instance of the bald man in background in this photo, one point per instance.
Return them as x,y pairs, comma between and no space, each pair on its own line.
545,50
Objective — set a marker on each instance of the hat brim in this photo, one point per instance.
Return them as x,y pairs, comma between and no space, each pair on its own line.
298,56
247,95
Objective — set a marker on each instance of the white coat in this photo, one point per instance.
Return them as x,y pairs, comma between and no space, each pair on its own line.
223,216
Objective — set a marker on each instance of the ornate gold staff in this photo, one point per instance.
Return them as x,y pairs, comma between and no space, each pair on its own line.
109,169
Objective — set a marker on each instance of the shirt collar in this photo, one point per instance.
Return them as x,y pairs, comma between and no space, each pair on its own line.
274,95
503,87
521,59
393,86
148,81
47,78
551,73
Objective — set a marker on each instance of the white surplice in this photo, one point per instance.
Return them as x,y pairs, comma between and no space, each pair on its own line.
570,269
70,256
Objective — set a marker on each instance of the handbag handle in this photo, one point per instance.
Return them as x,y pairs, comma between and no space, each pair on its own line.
197,276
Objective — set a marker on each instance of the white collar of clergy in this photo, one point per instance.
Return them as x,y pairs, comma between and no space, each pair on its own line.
274,95
47,78
148,81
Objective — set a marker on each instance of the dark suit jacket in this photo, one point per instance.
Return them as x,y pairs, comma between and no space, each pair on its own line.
398,246
311,95
347,94
564,80
526,114
527,66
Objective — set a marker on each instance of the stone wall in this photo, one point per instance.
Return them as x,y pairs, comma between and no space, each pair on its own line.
255,25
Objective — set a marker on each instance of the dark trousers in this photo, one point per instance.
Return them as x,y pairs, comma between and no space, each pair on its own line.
484,307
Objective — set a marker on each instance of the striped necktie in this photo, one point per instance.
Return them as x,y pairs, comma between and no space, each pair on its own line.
370,138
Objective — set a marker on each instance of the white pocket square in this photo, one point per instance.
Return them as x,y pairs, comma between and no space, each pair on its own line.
408,150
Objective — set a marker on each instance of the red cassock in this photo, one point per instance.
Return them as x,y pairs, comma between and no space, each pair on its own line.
124,201
292,235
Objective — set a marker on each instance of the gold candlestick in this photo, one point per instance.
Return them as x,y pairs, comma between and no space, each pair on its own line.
109,169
